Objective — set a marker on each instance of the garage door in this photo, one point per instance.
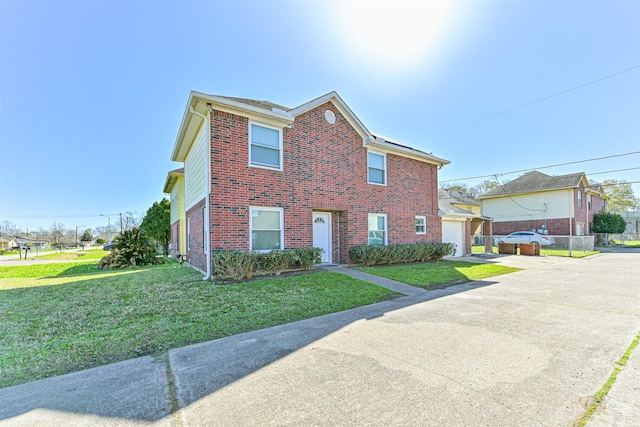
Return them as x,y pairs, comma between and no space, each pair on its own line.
453,232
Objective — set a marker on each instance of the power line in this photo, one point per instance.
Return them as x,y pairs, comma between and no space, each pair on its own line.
548,97
617,170
544,167
35,216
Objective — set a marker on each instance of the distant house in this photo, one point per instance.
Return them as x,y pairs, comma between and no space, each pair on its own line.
21,242
632,230
260,176
461,220
559,205
4,244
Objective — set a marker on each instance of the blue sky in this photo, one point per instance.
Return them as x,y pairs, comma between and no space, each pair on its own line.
92,92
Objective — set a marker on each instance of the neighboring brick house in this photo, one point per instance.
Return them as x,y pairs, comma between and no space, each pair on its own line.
260,176
561,205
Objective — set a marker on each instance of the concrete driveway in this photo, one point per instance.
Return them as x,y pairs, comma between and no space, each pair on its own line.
526,349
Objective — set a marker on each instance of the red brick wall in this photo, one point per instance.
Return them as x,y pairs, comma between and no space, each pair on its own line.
597,204
581,213
195,236
175,239
324,168
555,226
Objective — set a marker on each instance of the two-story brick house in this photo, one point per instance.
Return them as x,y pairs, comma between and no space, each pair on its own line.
260,176
561,204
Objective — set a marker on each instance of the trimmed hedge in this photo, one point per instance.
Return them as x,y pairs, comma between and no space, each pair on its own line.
238,265
403,253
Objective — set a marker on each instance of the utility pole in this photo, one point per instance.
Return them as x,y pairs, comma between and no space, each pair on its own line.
108,228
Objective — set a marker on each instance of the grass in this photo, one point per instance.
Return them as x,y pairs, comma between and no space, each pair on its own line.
91,254
602,393
64,317
547,251
628,243
432,275
565,252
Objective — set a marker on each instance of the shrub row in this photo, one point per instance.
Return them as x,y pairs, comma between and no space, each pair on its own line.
237,265
396,254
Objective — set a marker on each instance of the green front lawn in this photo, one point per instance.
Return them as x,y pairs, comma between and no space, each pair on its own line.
90,254
565,252
431,275
628,243
59,318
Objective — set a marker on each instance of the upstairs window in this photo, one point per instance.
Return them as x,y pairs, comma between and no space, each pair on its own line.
589,201
265,147
421,225
377,229
377,164
579,198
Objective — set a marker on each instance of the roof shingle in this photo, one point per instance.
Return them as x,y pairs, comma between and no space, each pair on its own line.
535,181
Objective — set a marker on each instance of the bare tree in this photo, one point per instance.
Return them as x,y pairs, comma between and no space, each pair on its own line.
8,228
486,186
58,233
130,220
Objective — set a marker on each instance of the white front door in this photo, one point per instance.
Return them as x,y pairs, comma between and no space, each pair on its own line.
322,234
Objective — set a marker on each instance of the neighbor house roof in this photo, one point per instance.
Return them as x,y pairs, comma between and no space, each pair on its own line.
446,206
457,197
534,182
199,104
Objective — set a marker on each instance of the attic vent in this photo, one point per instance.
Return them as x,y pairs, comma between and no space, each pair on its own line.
330,117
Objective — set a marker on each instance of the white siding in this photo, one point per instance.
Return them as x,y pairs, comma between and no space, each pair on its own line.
523,207
195,172
174,204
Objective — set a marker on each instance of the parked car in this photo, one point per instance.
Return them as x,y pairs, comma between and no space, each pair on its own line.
109,246
528,237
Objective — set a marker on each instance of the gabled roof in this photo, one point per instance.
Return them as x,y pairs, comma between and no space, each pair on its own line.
199,104
534,182
260,104
172,177
446,206
456,196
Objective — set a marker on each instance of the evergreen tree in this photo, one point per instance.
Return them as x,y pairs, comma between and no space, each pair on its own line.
157,224
608,222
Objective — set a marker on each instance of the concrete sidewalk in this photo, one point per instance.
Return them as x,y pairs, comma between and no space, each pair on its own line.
527,348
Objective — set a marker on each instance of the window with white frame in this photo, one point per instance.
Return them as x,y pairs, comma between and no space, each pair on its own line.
579,198
377,229
421,225
377,168
266,226
265,146
589,201
189,233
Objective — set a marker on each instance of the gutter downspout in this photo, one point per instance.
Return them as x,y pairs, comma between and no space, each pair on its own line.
207,222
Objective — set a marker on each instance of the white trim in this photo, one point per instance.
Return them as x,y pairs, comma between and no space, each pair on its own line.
424,218
328,216
384,159
386,227
265,208
380,144
280,147
342,106
188,233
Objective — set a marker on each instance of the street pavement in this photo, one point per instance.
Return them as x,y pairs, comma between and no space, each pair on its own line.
525,349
